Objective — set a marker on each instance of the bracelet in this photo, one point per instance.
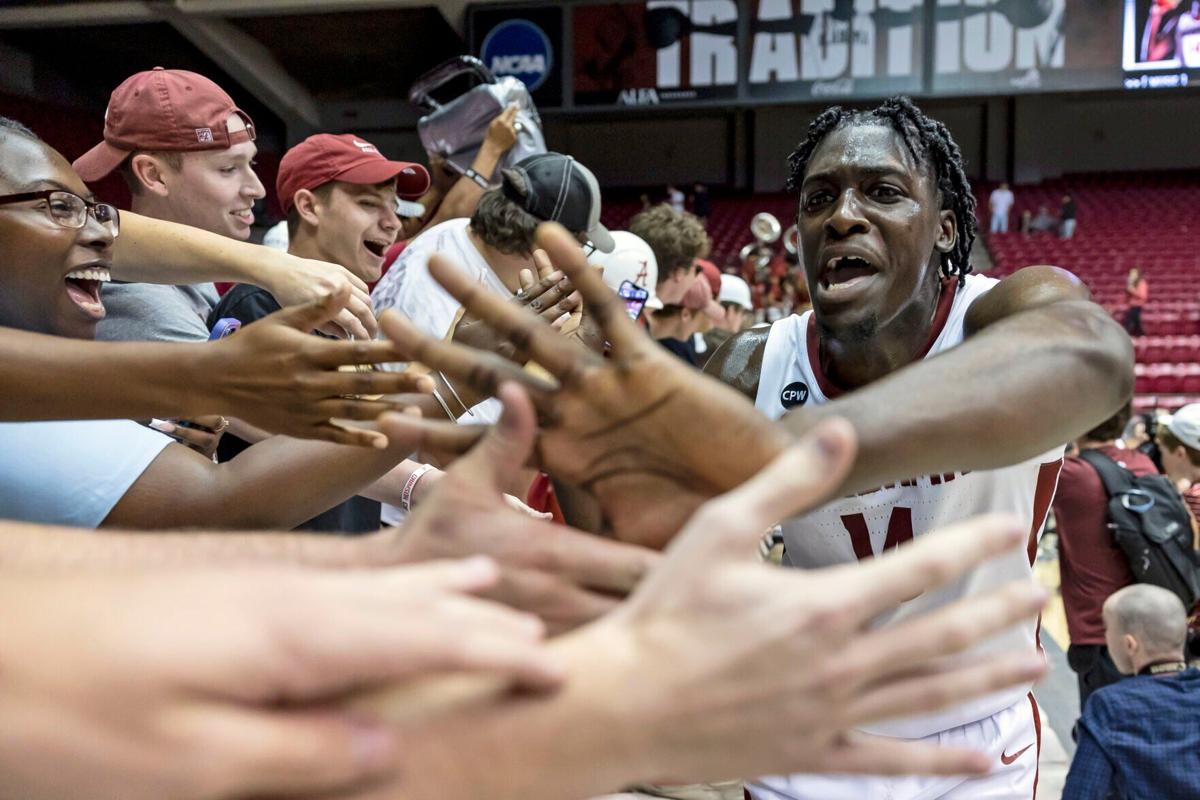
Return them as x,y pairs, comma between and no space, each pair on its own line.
481,181
450,386
441,402
410,484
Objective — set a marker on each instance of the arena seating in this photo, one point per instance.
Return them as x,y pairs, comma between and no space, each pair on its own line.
1126,220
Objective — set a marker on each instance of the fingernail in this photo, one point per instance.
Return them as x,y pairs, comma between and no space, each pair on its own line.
830,445
162,425
562,320
379,442
557,275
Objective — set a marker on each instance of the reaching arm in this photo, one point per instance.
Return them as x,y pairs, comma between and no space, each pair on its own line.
273,374
996,399
44,548
277,483
464,194
155,251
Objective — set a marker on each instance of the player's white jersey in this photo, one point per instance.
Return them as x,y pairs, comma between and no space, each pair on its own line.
863,526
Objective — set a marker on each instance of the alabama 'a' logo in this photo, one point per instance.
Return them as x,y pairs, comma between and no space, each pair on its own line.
794,394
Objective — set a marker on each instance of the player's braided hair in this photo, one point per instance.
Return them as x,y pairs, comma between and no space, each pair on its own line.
929,142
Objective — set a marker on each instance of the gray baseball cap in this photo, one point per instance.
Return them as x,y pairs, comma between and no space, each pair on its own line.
557,188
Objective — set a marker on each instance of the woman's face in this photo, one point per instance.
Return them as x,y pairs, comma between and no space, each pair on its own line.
37,254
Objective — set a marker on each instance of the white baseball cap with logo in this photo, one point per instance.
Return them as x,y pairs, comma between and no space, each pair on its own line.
735,290
630,260
1184,425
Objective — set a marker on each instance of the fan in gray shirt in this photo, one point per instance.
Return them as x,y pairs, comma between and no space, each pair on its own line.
149,312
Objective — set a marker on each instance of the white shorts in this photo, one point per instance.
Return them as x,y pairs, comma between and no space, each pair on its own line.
1012,738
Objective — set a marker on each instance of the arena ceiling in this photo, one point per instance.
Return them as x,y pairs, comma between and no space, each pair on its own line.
312,64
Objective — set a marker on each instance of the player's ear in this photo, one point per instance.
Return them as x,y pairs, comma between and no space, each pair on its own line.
947,231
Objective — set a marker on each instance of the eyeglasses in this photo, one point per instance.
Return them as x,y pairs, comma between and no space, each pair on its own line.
69,209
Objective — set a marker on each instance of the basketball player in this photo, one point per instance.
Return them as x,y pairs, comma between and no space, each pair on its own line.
955,384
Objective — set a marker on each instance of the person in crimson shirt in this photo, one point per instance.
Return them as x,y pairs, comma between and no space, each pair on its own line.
1092,565
1137,291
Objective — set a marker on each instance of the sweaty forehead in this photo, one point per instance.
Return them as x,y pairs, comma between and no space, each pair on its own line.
28,165
862,147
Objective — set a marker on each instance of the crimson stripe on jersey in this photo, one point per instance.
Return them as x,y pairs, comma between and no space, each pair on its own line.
1037,730
940,315
1043,496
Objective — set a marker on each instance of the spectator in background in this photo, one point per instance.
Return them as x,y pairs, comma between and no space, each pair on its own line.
675,324
496,243
187,152
1000,202
1066,218
675,198
452,195
710,273
1179,444
1140,736
1043,222
701,203
677,239
1137,292
631,260
1092,565
1026,222
734,298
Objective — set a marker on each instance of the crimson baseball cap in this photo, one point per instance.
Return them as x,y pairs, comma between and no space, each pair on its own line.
557,188
344,157
699,297
163,109
711,274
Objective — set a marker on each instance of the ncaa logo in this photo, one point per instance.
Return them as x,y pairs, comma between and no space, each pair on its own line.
794,394
519,48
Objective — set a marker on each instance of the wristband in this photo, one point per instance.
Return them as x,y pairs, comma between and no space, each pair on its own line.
481,181
410,484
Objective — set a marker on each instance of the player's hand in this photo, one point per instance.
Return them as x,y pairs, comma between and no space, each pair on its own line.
564,576
229,684
623,428
502,130
769,670
275,374
295,281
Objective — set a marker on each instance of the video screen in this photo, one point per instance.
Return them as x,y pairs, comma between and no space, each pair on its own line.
1161,43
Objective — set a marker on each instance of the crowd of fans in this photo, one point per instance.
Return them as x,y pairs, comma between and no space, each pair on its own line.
516,366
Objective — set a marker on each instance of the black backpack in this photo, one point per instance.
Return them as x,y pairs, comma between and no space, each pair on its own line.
1152,526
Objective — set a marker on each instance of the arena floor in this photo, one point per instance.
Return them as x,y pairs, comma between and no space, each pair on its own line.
1057,694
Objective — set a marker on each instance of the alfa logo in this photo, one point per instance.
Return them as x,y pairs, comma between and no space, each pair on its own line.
794,394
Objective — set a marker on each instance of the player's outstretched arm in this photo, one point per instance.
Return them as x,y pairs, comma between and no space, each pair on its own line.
649,697
1041,365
